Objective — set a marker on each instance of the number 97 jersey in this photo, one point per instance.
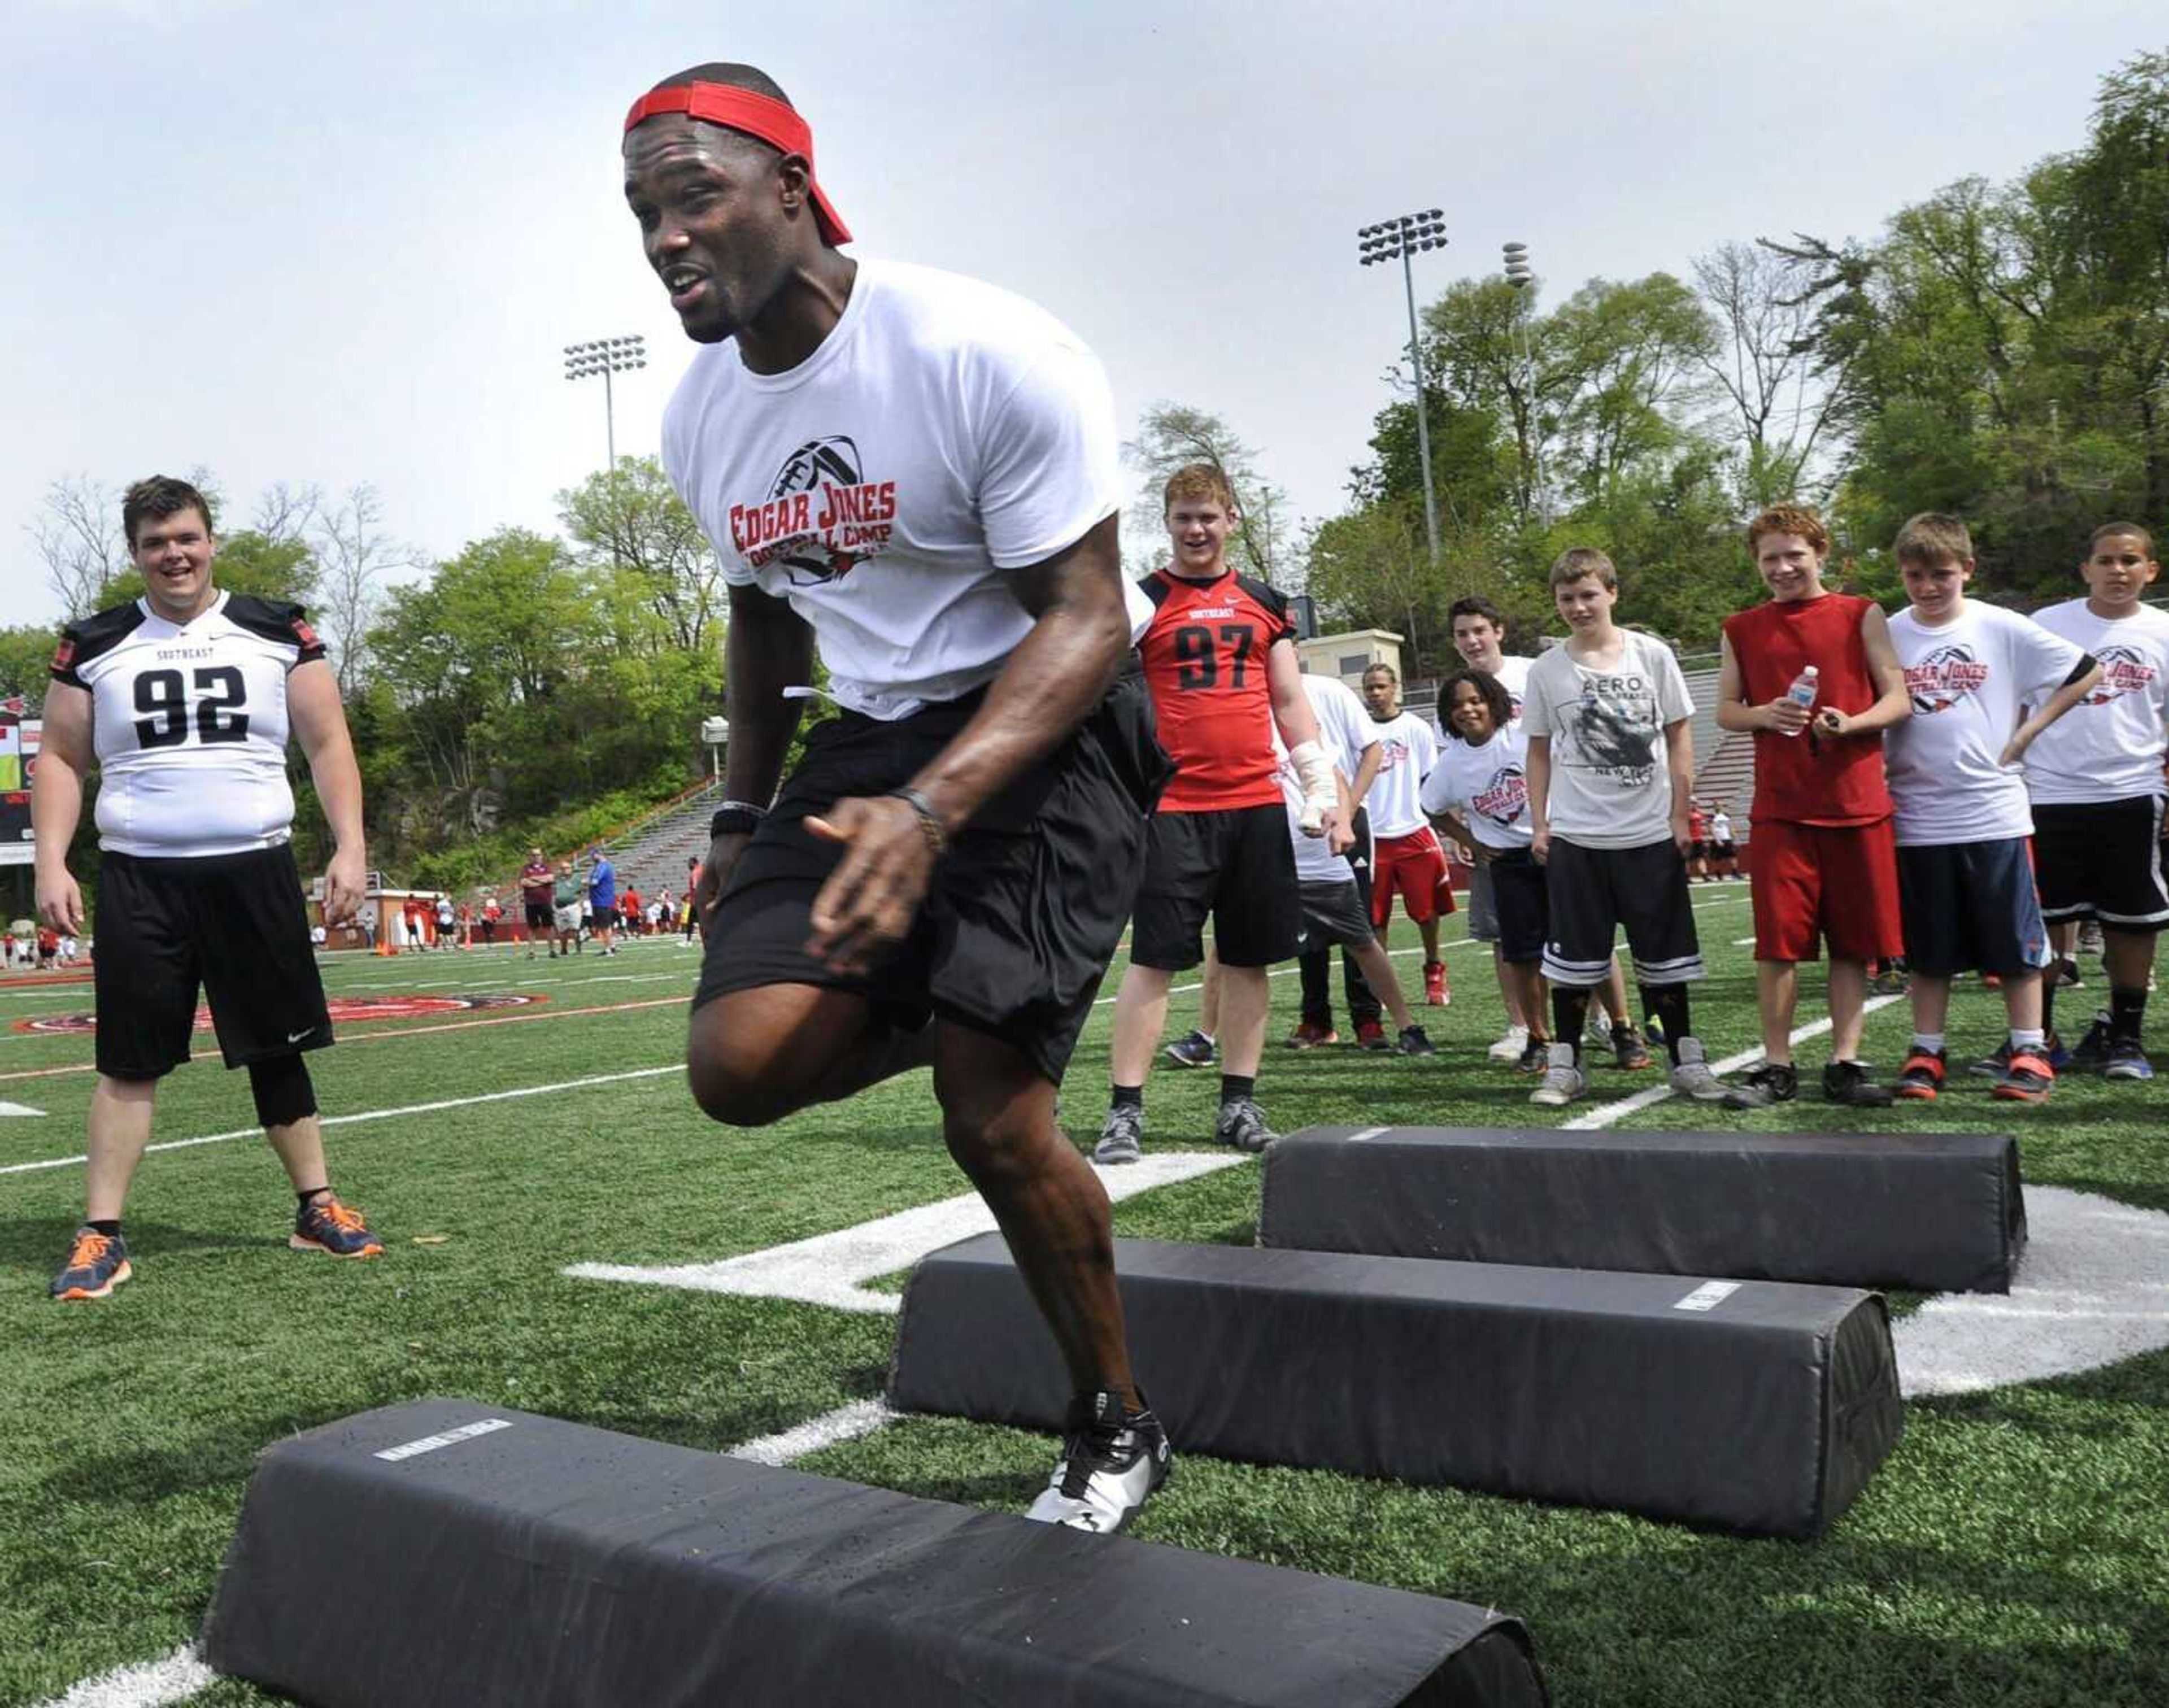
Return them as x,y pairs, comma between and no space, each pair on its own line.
190,722
1204,658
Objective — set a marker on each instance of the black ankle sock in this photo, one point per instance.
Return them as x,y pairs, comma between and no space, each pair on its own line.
1128,1097
111,1230
1235,1085
1569,1014
2049,998
1668,1004
302,1198
2127,1011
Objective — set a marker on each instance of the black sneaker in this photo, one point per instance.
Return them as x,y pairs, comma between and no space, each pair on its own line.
1195,1050
2067,974
1993,1065
2093,1051
1628,1051
1846,1083
96,1263
1112,1460
1773,1081
1414,1042
2126,1061
1536,1056
1242,1124
1122,1135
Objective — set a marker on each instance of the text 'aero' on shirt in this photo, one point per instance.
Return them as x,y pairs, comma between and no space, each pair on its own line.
1611,782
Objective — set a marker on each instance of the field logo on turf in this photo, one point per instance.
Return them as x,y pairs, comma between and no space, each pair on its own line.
342,1009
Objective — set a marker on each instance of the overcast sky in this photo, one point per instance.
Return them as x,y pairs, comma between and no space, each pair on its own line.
335,244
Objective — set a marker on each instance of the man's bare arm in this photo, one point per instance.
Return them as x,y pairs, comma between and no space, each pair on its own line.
768,648
64,756
319,721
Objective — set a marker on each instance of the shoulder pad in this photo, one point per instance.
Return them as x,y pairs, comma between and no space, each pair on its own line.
81,642
276,619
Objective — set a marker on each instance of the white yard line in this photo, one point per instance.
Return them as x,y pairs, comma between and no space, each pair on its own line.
147,1684
377,1115
1605,1114
9,1108
844,1424
832,1268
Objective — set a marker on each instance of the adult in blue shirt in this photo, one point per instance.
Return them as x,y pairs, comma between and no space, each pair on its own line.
602,896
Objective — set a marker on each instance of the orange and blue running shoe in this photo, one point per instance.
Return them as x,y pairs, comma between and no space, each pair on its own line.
96,1263
2029,1078
1922,1077
326,1224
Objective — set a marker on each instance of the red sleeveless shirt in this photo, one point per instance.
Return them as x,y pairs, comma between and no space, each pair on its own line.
1811,778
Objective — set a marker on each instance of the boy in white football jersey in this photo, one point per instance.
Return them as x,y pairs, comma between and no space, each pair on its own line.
182,700
2095,781
1965,875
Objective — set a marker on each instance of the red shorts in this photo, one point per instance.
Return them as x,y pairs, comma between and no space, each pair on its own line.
1833,881
1416,865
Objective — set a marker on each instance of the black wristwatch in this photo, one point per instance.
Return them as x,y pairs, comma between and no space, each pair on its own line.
735,820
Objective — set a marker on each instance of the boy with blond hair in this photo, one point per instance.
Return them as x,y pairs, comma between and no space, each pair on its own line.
1965,829
1610,760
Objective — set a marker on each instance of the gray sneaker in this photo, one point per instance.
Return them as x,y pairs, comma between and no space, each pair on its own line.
1122,1136
1693,1079
1242,1124
1563,1080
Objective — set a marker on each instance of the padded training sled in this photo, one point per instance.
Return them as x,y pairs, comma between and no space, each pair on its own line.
501,1558
1937,1212
1751,1405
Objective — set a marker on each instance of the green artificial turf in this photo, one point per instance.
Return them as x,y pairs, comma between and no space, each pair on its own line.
2015,1549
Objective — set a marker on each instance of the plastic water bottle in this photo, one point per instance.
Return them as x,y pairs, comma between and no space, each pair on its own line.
1802,694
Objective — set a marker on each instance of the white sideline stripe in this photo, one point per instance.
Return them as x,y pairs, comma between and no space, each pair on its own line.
1743,943
829,1269
844,1424
2089,1292
146,1684
376,1115
1610,1112
9,1108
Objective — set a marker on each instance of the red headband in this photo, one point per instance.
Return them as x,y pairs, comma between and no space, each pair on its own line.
774,123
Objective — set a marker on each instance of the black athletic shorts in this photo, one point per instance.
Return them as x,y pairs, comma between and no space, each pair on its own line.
542,916
1520,905
234,924
2102,860
1236,865
1025,908
1592,891
1334,914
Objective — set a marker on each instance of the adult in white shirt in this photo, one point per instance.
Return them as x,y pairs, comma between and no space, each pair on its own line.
184,700
2095,780
1408,860
919,473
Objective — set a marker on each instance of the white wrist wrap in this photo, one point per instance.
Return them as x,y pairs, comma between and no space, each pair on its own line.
1314,771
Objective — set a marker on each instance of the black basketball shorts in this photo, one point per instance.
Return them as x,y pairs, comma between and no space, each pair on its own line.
2102,860
1591,892
1026,906
1236,865
234,925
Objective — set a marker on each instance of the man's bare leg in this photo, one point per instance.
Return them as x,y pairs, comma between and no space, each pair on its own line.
753,1056
1245,996
117,1129
1848,1008
998,1120
1778,995
1140,1017
1377,971
1612,993
1208,998
1510,992
299,1145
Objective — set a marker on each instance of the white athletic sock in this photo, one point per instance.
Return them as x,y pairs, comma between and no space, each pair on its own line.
1933,1042
2024,1039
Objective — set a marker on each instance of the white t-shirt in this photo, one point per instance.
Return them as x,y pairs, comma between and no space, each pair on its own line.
1720,826
1513,676
1344,731
1968,678
1409,748
189,723
1488,786
944,433
1611,786
2109,746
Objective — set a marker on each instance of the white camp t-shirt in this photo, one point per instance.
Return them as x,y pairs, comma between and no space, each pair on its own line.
1610,783
189,723
944,433
1344,731
1720,826
1968,678
2109,746
1513,676
1409,748
1488,786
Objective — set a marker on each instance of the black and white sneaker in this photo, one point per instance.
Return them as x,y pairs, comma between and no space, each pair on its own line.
1112,1459
1122,1135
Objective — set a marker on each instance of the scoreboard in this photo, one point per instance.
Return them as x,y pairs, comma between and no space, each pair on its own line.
19,754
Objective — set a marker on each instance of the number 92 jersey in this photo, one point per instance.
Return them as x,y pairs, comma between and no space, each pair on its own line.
189,721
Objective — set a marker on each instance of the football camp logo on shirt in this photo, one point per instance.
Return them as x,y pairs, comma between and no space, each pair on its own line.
2124,670
821,517
1505,798
1944,677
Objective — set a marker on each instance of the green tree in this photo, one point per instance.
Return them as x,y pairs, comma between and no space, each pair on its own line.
25,652
1171,435
629,521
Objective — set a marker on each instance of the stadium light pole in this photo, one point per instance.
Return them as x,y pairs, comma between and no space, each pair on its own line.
606,357
1397,239
1522,276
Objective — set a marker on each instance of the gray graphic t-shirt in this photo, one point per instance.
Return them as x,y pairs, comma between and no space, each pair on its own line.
1609,787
